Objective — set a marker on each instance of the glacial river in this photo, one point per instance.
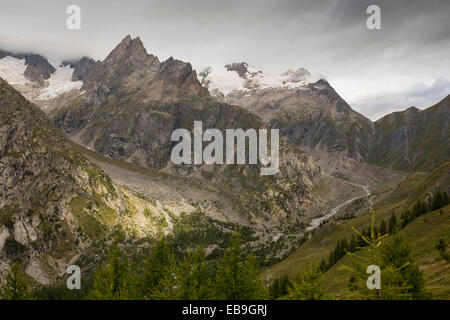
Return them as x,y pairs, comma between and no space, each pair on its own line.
316,222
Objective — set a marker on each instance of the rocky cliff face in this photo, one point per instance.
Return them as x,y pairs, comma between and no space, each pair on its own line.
81,67
43,181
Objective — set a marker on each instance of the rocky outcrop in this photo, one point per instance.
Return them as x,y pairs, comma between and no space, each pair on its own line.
40,64
43,186
33,74
81,67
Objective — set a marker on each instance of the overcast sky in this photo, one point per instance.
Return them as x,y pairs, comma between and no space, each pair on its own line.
405,63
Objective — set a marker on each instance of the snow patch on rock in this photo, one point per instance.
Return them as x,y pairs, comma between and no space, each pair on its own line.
60,82
226,79
12,70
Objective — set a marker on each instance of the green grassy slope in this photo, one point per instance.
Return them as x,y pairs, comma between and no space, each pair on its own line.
413,139
421,234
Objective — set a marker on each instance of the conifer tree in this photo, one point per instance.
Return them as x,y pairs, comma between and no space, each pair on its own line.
383,228
16,286
158,266
441,246
406,276
400,277
323,266
190,279
393,224
274,289
307,284
112,280
237,276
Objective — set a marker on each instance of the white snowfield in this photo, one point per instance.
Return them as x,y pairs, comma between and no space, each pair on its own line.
12,70
60,82
227,81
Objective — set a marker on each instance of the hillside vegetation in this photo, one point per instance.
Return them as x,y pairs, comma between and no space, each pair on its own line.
421,234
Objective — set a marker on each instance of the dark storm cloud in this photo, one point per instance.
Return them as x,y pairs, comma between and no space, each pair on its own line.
328,37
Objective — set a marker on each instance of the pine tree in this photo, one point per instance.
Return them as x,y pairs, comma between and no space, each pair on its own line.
383,228
405,275
400,277
353,283
274,289
284,284
307,285
331,258
323,266
112,280
279,287
237,276
393,224
187,280
353,243
157,267
403,219
344,246
357,282
375,231
440,199
441,246
446,198
16,286
416,210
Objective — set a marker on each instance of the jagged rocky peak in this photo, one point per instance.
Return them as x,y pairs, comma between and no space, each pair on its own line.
80,67
129,68
128,49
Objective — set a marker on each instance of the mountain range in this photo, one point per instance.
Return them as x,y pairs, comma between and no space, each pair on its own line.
85,153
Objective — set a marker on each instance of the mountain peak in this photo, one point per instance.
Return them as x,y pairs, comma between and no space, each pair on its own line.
128,48
127,40
137,47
